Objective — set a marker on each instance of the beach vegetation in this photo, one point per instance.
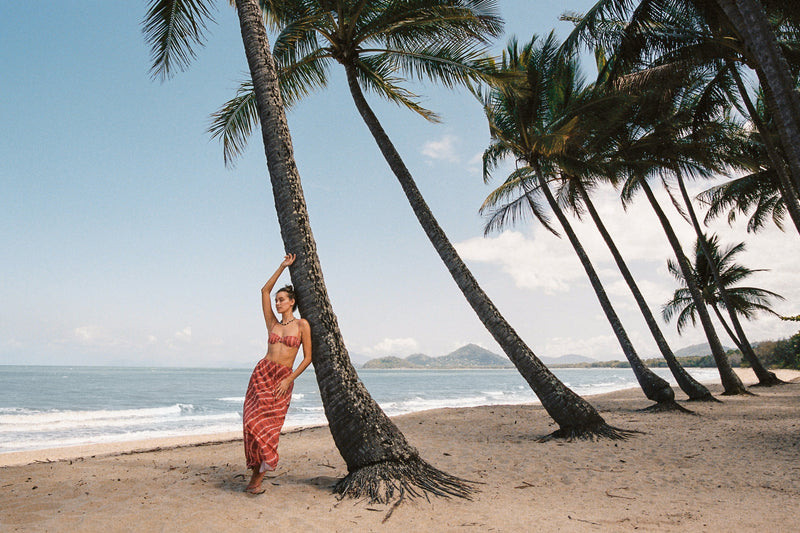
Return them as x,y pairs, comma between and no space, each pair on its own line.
698,97
695,41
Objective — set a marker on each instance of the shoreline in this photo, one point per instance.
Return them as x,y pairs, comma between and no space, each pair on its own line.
729,466
110,449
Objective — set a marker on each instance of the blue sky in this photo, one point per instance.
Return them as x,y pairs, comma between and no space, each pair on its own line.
125,240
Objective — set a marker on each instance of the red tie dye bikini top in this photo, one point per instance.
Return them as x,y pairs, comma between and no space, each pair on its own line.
290,341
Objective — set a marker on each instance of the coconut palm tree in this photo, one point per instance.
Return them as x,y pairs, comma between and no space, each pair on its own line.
381,463
656,144
765,377
664,39
603,120
761,193
375,41
537,121
694,389
735,27
744,301
751,23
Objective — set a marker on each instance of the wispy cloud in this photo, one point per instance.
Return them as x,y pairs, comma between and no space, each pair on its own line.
536,262
399,347
443,149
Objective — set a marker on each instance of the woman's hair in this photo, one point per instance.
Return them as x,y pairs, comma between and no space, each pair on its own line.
289,290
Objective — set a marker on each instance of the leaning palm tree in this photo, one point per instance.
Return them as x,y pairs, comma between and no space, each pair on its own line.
663,39
603,120
375,41
381,463
739,301
655,145
660,36
761,193
667,39
538,122
765,377
750,21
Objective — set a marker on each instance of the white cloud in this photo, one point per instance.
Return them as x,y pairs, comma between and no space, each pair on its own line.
92,335
537,262
442,150
399,347
184,335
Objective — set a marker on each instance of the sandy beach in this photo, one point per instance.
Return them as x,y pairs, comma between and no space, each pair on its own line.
732,466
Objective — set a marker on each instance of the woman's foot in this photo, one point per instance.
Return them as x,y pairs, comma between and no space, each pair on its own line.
254,487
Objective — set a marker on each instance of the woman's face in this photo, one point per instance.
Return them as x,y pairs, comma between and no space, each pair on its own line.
283,303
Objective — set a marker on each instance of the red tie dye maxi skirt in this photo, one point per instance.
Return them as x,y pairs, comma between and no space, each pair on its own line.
264,413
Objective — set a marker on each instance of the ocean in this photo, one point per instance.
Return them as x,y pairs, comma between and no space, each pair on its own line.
57,406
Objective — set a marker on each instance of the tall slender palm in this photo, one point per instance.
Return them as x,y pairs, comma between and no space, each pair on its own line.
744,301
604,123
750,21
655,144
694,389
375,41
381,463
765,377
662,39
710,32
537,121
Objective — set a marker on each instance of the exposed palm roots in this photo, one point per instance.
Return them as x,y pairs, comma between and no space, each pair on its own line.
595,432
663,407
383,482
771,381
705,398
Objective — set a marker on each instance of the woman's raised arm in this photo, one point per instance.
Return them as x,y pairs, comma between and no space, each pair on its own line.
266,299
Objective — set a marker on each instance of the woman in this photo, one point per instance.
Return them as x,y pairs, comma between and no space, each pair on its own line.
270,388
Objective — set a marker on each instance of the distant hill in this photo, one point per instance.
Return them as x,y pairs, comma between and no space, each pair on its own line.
696,350
469,356
567,359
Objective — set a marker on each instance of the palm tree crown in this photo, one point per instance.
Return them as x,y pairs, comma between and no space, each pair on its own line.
383,42
747,301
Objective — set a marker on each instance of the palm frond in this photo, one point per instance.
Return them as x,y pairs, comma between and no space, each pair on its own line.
172,29
234,122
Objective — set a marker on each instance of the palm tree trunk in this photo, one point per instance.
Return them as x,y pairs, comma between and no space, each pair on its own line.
730,381
574,415
694,389
379,460
750,21
788,191
654,387
765,377
726,327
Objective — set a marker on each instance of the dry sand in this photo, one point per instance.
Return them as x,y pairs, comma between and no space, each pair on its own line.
733,466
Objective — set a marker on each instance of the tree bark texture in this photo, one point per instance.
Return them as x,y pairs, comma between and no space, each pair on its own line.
379,460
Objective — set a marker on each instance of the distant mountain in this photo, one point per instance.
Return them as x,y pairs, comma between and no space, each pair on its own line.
567,359
469,356
696,350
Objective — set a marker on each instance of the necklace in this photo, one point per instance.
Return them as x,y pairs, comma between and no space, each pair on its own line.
287,323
